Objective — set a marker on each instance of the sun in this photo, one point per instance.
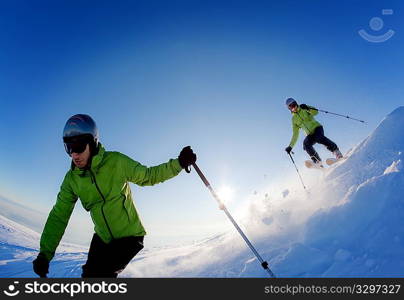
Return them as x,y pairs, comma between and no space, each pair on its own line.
225,193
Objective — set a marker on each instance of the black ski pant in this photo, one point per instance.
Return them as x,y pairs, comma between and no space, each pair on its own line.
108,260
317,137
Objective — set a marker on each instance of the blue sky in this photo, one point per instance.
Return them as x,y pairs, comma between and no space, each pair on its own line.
160,75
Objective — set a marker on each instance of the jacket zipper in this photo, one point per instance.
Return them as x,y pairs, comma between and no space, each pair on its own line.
308,131
103,198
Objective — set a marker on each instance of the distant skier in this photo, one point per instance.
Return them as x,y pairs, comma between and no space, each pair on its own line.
101,180
303,117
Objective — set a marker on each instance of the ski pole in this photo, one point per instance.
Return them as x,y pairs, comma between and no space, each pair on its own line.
348,117
297,170
264,264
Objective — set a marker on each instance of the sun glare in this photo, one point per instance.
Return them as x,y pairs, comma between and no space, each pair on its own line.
225,193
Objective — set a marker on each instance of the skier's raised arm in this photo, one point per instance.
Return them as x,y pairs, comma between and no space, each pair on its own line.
146,176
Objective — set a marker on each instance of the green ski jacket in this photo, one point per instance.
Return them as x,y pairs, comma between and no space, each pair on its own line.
103,191
303,118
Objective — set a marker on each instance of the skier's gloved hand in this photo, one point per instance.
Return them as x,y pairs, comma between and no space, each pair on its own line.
41,265
187,157
288,149
305,106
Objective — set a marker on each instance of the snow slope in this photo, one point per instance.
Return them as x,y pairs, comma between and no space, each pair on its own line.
19,247
349,224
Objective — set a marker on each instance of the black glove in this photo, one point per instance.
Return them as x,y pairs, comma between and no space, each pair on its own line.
288,149
305,106
41,265
187,157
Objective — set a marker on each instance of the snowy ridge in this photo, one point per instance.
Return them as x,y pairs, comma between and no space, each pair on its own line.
349,224
19,246
21,214
376,152
15,234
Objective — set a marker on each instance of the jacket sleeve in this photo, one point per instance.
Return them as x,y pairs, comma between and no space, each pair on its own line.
142,175
313,112
295,135
58,219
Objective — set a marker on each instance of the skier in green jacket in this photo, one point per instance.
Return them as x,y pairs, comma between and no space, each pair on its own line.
303,118
101,179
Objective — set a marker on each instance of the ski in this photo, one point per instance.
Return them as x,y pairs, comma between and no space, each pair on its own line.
331,161
311,165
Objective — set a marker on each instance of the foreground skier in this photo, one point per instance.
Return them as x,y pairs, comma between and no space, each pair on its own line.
101,180
303,117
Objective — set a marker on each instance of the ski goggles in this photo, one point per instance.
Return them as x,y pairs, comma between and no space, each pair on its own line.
75,148
292,105
76,144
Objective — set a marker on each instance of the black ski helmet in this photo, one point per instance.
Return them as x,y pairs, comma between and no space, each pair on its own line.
81,127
